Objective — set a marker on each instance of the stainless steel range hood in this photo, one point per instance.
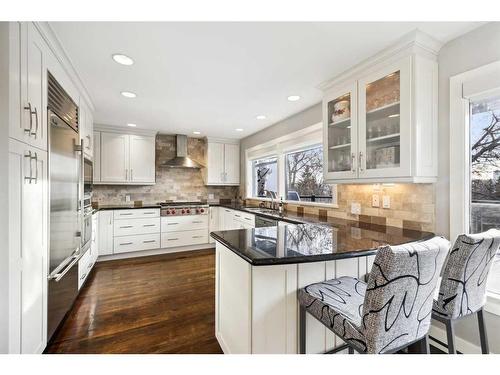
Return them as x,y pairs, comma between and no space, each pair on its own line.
181,160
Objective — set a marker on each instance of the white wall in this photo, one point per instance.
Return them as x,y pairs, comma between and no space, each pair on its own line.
472,50
4,170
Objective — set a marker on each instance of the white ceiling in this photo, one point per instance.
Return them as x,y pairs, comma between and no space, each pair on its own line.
216,77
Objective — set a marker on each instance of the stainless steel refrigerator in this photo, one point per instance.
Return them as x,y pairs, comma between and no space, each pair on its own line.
65,185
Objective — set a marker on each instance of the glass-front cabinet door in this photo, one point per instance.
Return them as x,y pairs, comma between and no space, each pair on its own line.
385,122
340,132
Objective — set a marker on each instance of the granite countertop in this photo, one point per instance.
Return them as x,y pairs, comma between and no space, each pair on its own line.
302,243
101,207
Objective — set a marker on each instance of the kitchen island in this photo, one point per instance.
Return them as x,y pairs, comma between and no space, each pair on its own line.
259,270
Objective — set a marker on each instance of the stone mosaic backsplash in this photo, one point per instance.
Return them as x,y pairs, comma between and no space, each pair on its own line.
412,206
180,184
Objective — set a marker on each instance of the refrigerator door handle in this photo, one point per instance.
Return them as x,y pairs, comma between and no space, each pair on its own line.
65,266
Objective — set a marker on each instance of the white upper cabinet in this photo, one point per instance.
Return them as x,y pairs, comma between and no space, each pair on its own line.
380,118
142,158
223,162
97,156
124,158
86,129
114,157
28,85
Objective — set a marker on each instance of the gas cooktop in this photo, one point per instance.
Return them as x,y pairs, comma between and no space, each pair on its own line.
183,208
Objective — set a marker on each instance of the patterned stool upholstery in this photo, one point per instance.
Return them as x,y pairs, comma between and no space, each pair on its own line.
389,312
463,282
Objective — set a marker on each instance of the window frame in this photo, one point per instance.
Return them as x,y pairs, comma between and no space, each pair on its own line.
301,140
474,84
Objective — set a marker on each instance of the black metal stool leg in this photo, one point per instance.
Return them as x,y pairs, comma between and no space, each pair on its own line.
450,334
424,345
482,333
350,350
302,330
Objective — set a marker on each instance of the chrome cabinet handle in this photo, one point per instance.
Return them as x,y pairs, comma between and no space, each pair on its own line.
29,156
197,222
126,243
126,174
172,239
36,123
197,236
353,162
90,265
83,276
172,223
127,226
247,218
36,167
149,225
148,241
28,108
126,214
361,161
131,174
148,213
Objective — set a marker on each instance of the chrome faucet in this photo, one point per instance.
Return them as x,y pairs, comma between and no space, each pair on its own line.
272,195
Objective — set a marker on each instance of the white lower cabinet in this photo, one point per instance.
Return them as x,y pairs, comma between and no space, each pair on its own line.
184,230
139,242
213,221
84,267
185,238
105,230
28,252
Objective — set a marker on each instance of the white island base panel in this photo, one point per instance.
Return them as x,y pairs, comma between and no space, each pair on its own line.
256,307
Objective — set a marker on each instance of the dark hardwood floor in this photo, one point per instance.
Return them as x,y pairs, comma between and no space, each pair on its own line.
158,304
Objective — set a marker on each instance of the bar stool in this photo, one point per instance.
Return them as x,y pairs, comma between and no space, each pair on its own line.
463,283
389,312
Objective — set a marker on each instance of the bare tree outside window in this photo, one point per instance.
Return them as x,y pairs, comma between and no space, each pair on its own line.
304,176
265,176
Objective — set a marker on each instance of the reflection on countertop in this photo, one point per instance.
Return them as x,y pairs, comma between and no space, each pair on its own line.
301,243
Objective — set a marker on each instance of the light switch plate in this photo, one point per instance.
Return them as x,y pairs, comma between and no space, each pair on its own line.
127,198
210,196
386,201
356,208
375,200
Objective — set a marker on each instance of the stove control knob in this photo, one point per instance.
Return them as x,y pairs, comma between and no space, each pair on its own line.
202,210
183,211
168,212
188,211
173,212
197,211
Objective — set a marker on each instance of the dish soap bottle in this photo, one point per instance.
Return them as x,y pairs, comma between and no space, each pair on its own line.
281,206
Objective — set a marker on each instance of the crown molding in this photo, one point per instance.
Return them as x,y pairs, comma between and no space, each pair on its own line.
415,41
62,57
124,130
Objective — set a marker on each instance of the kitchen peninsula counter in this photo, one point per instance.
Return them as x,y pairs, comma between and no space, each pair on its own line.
259,271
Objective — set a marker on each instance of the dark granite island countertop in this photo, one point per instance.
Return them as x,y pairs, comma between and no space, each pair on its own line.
302,243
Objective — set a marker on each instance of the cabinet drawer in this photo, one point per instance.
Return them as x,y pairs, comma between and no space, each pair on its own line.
83,268
183,223
244,217
184,238
136,213
139,242
136,226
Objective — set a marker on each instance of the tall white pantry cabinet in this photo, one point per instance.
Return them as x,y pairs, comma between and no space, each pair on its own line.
32,52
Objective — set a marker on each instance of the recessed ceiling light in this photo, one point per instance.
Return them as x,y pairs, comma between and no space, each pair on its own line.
122,59
197,133
293,98
128,94
261,117
239,130
132,125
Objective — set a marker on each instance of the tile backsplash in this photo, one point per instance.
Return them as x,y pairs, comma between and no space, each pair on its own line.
412,206
171,183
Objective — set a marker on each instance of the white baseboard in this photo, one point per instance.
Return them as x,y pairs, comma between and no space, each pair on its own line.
461,345
144,253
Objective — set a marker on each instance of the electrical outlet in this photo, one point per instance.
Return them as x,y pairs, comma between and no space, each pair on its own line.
127,198
375,200
210,196
356,208
386,201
